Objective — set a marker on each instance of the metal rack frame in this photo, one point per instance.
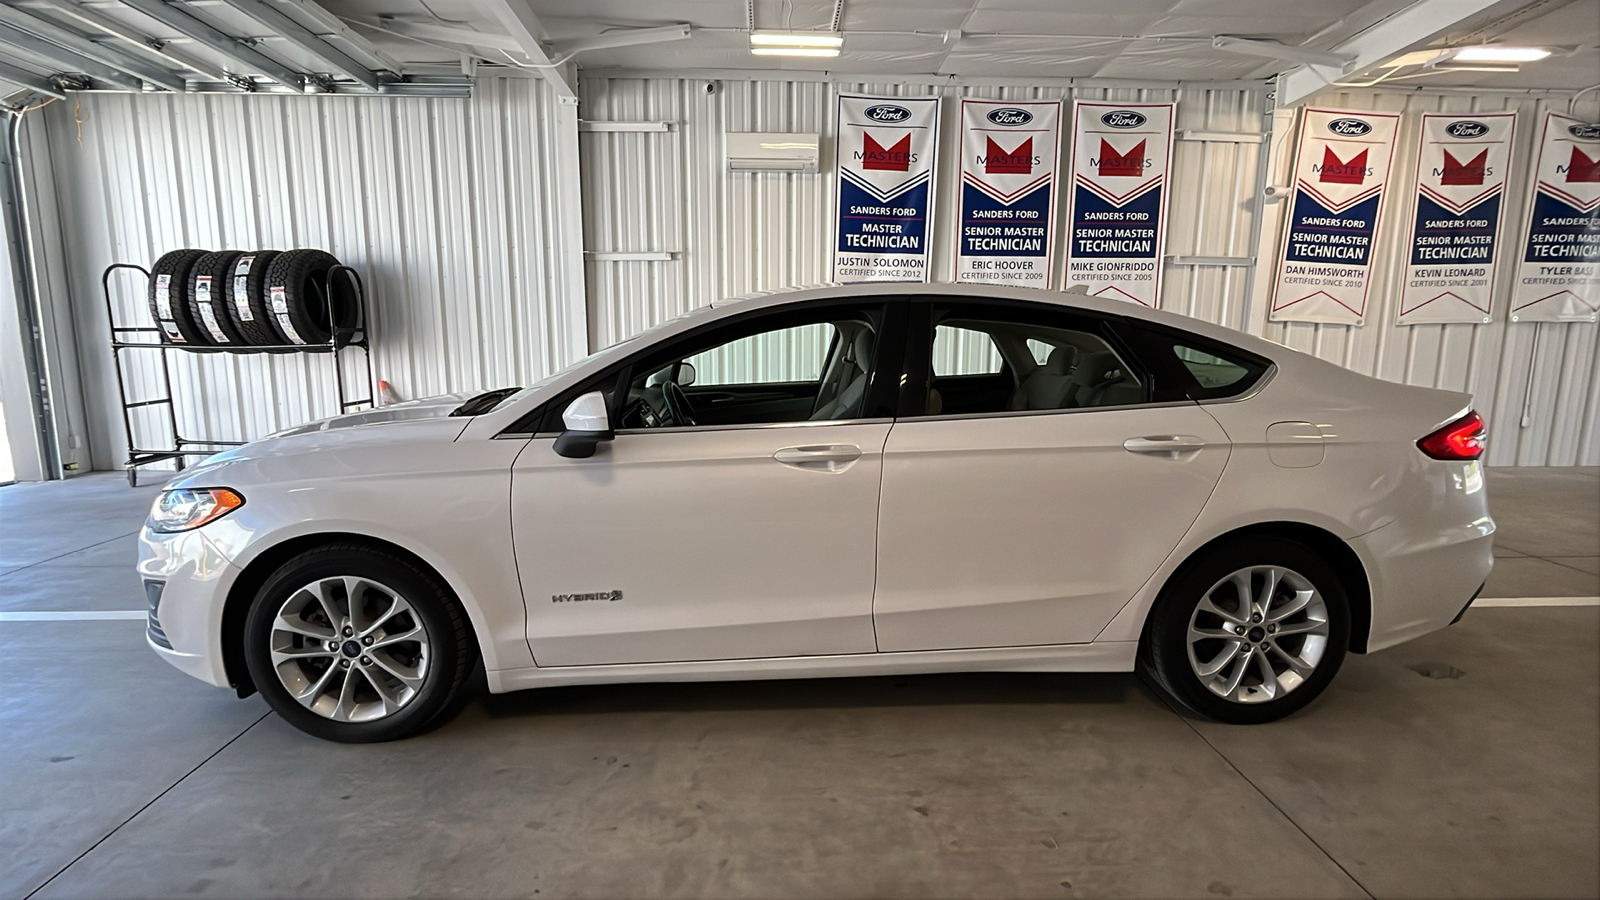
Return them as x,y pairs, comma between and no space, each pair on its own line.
182,447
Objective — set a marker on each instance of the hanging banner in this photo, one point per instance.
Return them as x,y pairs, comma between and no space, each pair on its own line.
1341,170
1008,190
885,150
1120,156
1462,163
1558,279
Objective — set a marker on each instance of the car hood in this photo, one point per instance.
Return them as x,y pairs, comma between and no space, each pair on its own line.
411,410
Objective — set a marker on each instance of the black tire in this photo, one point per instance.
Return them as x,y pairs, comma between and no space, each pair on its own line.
207,296
298,292
452,652
1164,657
247,299
169,299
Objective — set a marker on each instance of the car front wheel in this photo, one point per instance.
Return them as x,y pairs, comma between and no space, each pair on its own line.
355,644
1250,632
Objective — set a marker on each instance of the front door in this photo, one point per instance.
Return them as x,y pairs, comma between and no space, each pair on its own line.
1040,489
734,516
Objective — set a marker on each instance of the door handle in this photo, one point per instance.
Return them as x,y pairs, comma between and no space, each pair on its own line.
1171,446
821,457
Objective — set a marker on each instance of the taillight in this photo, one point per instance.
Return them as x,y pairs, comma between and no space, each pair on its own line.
1462,439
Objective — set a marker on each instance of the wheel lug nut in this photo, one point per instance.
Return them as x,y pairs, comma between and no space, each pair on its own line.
1254,617
1272,629
1238,629
366,660
348,631
367,641
344,663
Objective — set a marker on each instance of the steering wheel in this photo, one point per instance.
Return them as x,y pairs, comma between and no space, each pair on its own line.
677,404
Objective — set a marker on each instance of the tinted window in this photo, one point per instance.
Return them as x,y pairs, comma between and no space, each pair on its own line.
792,366
1209,370
962,351
1202,368
986,361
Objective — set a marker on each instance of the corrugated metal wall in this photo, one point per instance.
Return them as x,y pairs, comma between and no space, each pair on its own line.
444,206
1558,422
450,210
737,232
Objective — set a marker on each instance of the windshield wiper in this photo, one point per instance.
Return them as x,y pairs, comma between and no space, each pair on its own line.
484,402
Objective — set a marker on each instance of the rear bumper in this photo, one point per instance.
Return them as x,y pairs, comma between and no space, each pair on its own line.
1423,582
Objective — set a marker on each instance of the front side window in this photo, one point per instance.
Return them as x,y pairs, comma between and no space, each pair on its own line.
994,362
779,368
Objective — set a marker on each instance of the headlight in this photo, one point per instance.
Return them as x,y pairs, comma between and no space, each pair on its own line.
186,508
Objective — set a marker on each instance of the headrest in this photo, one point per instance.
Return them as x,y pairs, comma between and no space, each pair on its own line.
863,348
1060,360
1098,368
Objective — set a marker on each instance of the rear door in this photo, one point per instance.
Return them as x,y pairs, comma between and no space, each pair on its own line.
1029,512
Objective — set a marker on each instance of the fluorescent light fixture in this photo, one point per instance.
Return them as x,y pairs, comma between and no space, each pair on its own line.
817,39
1500,54
794,51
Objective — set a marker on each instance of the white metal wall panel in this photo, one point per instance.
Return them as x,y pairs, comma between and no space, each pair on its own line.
442,205
739,232
1557,422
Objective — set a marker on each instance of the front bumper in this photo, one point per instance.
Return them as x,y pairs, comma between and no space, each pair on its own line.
196,579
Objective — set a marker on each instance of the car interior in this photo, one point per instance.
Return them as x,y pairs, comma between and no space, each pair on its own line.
989,367
812,372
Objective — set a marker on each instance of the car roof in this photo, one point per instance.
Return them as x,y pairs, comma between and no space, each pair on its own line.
1076,298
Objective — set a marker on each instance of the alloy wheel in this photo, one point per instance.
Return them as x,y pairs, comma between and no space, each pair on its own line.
349,649
1258,634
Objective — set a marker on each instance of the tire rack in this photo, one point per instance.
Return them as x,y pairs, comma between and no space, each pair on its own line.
183,447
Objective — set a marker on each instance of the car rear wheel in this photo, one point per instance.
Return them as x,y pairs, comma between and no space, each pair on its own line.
354,644
1250,632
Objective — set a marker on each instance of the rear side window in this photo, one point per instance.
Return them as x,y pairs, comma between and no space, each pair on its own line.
1205,369
1210,370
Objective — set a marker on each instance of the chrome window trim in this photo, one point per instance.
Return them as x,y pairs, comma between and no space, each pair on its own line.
806,423
1258,387
1012,413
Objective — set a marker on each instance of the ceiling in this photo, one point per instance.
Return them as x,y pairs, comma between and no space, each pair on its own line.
1161,40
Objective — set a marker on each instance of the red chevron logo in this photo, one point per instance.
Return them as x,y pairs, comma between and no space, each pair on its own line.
1120,165
1471,172
1015,162
896,158
1338,171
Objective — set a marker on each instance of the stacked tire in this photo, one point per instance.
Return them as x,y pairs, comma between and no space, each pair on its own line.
253,301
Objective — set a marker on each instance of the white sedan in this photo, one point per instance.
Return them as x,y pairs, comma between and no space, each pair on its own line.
856,480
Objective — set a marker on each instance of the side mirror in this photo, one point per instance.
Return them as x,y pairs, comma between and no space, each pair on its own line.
587,425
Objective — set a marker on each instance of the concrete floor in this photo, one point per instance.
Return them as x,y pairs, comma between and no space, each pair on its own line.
1466,763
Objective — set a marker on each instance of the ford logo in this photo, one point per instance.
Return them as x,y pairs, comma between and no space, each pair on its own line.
1123,118
1585,132
1349,127
1466,128
1011,116
888,112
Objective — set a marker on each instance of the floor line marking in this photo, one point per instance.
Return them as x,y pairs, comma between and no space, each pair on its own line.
108,835
72,615
1187,719
1536,601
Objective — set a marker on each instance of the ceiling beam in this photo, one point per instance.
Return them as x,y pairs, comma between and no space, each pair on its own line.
337,29
249,60
68,59
519,21
1411,27
83,46
449,34
96,19
301,37
621,37
39,84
